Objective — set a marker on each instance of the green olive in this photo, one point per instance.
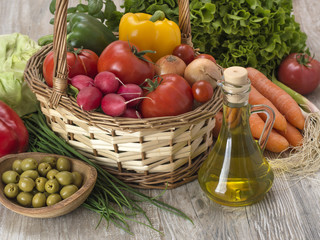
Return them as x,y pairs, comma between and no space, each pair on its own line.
40,184
31,174
52,186
16,166
25,199
64,178
11,190
29,164
10,177
63,164
77,179
44,168
53,199
26,184
39,200
51,160
52,173
68,190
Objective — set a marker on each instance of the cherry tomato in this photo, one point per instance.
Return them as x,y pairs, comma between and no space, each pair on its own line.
300,72
172,97
207,56
122,59
82,63
202,91
185,52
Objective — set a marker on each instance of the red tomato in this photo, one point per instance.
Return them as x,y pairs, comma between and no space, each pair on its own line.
300,72
202,91
82,63
207,56
185,52
172,97
121,59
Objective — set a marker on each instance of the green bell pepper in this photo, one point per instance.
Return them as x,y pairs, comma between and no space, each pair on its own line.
87,32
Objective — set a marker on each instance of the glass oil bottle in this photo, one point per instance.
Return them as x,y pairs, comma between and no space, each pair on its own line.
235,172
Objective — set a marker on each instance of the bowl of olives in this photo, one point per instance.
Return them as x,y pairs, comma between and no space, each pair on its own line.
42,185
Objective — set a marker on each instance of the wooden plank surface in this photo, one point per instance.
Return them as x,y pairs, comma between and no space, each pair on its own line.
291,210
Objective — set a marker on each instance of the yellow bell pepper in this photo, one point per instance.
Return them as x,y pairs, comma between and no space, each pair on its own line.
148,32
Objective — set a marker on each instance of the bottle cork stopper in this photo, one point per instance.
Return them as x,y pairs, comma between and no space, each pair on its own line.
236,84
236,76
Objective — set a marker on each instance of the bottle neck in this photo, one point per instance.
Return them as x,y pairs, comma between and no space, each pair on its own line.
236,117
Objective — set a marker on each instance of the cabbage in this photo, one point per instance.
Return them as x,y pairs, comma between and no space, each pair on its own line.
15,51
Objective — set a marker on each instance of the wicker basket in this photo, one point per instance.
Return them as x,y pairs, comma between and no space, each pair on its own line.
145,153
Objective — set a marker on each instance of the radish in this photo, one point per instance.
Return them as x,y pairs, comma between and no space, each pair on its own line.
113,104
131,113
107,82
129,92
81,81
89,98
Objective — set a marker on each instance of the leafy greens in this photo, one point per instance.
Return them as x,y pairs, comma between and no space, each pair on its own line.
255,33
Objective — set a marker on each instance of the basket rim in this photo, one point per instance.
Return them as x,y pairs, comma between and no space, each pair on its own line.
34,78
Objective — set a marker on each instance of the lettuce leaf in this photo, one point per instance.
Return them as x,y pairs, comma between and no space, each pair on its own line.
255,33
15,51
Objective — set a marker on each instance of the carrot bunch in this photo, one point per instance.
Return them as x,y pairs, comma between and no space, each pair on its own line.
289,119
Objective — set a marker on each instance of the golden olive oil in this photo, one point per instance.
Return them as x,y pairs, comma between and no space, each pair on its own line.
235,172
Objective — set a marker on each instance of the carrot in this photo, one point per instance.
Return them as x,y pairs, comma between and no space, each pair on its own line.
293,135
276,142
217,127
255,97
282,100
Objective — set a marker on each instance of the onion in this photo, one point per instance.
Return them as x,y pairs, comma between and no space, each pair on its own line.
170,64
202,69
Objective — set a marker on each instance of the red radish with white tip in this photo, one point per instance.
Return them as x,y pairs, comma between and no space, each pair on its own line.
129,92
89,98
81,81
113,104
131,113
107,82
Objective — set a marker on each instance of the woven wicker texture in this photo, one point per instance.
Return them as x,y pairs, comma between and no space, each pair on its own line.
146,153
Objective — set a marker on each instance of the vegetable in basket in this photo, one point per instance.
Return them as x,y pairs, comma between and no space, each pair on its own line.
169,95
80,62
150,33
127,62
14,136
237,33
85,31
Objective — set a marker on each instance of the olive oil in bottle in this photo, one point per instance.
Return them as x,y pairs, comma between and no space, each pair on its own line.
235,172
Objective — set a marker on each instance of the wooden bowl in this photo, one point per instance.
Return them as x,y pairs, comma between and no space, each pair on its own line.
63,207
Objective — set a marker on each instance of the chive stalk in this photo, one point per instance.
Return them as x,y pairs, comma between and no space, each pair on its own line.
109,196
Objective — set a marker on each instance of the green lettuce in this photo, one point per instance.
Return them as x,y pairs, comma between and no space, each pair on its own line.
15,51
255,33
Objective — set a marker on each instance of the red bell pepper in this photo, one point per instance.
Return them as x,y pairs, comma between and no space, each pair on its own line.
14,136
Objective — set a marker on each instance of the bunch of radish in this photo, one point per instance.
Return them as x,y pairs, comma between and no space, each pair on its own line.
108,92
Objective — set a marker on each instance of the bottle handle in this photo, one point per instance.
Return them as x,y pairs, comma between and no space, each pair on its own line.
268,124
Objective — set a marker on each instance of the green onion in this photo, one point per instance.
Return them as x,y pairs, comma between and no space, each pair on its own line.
109,196
302,101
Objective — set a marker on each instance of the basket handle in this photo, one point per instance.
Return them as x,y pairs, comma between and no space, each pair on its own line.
184,22
60,70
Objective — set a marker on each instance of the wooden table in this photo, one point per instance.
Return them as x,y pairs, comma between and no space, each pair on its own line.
291,210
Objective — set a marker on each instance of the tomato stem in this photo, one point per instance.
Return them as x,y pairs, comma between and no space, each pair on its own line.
140,54
151,85
303,59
